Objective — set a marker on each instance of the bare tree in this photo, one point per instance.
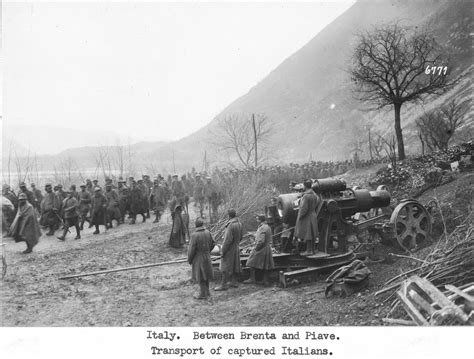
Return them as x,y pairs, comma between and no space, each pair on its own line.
389,65
244,136
437,127
389,145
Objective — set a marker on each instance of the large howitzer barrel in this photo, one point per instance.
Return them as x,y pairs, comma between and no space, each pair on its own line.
336,197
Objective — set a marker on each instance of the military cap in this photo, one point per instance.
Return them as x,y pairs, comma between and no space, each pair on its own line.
22,196
59,185
140,181
48,185
260,217
208,178
32,185
95,180
108,185
146,176
198,175
72,188
22,184
97,189
108,179
82,185
88,180
231,212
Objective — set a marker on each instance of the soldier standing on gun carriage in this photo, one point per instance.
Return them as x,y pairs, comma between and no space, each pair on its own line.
230,252
85,200
307,222
49,210
70,214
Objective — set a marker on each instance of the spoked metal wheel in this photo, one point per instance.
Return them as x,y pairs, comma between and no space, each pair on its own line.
412,224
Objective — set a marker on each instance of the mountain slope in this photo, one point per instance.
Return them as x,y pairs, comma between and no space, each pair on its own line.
308,97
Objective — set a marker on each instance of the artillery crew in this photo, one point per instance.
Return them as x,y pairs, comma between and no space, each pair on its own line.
230,252
261,256
307,221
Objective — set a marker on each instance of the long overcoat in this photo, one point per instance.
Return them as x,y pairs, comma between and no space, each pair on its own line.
199,255
49,204
25,226
137,201
99,204
261,256
113,209
230,251
307,221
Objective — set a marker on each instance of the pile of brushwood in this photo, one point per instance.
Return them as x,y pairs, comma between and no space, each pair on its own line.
413,176
449,261
248,196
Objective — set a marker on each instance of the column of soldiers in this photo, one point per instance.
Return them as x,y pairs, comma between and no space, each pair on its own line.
101,206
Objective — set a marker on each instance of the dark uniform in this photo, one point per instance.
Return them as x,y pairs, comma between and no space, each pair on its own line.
99,205
85,200
199,257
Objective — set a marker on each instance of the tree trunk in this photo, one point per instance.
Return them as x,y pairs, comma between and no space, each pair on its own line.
255,139
398,131
422,144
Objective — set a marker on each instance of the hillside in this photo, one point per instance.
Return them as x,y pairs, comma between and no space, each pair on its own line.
308,98
297,96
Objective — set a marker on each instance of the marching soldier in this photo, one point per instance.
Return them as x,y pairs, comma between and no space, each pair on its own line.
99,205
199,193
85,200
49,210
137,203
25,227
113,211
38,197
124,199
158,200
70,214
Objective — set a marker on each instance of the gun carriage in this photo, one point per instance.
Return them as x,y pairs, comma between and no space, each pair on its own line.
351,221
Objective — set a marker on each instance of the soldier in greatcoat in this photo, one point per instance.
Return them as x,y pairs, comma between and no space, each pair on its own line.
178,228
113,210
307,221
261,256
25,227
38,197
124,199
70,214
200,247
85,200
98,209
50,207
10,194
136,203
230,252
198,194
158,200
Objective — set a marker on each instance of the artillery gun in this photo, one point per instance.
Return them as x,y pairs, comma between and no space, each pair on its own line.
344,215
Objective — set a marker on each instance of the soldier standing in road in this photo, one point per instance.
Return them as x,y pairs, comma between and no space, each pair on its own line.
158,200
70,214
200,247
230,252
261,256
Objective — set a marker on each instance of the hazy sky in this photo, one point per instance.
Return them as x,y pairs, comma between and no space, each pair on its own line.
148,70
